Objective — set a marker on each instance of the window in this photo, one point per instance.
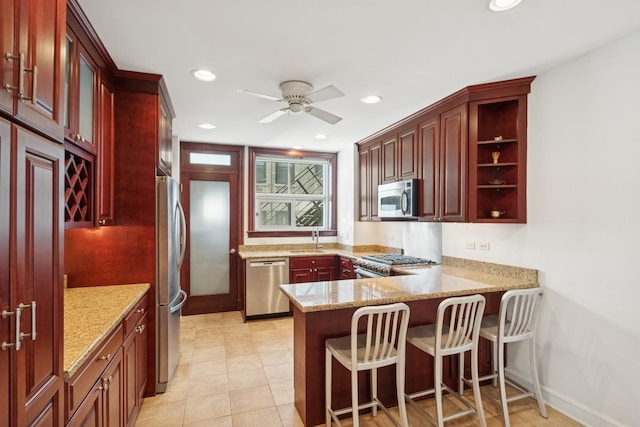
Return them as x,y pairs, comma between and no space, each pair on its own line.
291,193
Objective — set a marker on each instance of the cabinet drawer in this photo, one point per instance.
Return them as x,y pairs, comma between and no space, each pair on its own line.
81,383
346,263
310,262
132,319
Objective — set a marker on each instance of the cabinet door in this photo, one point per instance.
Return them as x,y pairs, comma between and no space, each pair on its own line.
408,154
105,188
389,160
324,274
38,265
301,275
9,68
364,168
81,97
165,152
6,333
42,37
89,413
375,157
113,383
129,364
430,167
141,356
453,155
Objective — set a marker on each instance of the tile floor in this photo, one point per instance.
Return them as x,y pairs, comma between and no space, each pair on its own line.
236,374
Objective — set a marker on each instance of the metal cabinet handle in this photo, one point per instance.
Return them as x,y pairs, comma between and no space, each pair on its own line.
107,357
140,310
17,313
20,88
31,306
141,329
34,84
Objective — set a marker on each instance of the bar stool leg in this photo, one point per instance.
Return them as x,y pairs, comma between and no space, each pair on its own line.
327,386
534,377
476,386
402,405
374,391
354,397
503,391
437,379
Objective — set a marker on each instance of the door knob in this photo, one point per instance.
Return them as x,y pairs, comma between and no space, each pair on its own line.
232,251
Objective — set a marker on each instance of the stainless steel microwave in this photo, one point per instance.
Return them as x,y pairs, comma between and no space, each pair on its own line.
398,200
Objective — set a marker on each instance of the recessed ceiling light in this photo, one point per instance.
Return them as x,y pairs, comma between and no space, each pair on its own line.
206,126
321,136
371,99
204,75
297,147
502,5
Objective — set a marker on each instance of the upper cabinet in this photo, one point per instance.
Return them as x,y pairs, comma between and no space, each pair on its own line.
81,94
32,41
498,155
164,147
468,150
443,161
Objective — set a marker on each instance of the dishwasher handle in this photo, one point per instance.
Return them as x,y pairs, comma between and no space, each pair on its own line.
268,263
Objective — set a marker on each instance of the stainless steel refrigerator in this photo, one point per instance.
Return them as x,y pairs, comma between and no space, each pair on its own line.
171,244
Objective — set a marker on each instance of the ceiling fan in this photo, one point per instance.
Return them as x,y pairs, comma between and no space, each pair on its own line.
299,96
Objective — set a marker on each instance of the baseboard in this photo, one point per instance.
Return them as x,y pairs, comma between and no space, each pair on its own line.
566,405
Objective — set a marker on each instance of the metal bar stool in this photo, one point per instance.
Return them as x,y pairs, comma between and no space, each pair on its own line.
383,344
456,335
516,321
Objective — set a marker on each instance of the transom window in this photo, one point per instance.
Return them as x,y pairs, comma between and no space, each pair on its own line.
292,193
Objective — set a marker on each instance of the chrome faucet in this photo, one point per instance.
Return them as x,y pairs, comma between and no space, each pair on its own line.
315,236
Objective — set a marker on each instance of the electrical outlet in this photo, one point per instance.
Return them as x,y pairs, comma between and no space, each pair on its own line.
470,245
483,246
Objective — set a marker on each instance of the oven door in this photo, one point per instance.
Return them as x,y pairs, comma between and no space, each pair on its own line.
366,274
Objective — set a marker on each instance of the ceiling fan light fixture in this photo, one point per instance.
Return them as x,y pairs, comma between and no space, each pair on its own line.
503,5
204,75
371,99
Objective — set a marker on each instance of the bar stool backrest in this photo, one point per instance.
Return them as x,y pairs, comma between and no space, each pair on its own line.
458,324
518,314
385,336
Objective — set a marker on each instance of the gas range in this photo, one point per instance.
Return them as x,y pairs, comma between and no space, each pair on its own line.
380,265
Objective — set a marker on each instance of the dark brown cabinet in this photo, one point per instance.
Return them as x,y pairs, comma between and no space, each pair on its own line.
346,268
107,390
370,157
451,150
497,154
443,155
30,278
311,269
32,42
89,130
164,148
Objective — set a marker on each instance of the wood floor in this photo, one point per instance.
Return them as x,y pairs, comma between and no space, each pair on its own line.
236,374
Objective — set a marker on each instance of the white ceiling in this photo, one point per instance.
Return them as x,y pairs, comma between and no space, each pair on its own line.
410,52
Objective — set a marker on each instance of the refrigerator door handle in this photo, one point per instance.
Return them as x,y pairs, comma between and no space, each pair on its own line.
182,233
183,299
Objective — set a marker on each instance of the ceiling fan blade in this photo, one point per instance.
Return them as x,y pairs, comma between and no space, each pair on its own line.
323,115
259,95
324,94
271,117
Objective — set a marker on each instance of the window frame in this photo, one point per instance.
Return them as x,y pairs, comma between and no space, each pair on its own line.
332,159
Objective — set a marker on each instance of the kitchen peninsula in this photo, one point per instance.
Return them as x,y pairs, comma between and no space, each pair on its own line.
323,310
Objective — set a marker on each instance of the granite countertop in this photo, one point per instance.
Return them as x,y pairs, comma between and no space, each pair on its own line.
90,315
299,253
438,281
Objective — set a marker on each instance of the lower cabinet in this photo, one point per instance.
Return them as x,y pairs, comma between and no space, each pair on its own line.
311,269
346,268
107,391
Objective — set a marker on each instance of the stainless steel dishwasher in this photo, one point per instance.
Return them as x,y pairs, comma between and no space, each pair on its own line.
263,280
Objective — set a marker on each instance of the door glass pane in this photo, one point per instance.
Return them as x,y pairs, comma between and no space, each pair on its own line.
209,236
86,100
